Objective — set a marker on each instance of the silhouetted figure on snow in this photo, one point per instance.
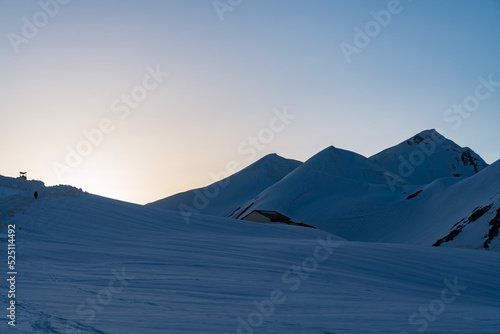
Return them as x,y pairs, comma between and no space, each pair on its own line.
36,195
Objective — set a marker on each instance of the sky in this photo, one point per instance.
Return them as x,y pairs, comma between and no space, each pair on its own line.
139,100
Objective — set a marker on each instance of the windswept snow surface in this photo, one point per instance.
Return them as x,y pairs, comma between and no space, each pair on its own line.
222,197
88,264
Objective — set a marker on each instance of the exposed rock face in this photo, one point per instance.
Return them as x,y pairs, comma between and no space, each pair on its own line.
478,213
494,228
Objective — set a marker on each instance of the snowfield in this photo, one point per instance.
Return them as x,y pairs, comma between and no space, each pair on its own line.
88,264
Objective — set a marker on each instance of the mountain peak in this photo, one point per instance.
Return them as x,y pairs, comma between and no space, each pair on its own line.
271,157
338,163
275,165
428,156
429,132
429,135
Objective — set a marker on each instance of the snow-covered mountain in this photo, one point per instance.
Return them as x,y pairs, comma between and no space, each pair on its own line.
356,204
331,182
88,264
377,199
223,197
429,156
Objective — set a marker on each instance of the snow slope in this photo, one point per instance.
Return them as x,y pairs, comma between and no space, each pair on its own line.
429,156
88,264
222,197
473,204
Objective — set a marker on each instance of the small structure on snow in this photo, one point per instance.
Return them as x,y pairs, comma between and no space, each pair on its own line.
24,175
263,216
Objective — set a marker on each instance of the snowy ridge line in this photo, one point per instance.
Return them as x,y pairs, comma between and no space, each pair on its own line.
28,186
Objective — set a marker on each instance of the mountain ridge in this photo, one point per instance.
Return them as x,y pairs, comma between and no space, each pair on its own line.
374,199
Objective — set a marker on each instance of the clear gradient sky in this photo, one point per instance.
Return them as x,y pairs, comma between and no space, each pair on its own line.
84,65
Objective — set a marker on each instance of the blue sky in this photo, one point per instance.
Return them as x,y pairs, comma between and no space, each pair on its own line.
227,79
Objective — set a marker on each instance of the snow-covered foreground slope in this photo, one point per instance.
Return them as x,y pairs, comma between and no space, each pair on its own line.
222,197
87,264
